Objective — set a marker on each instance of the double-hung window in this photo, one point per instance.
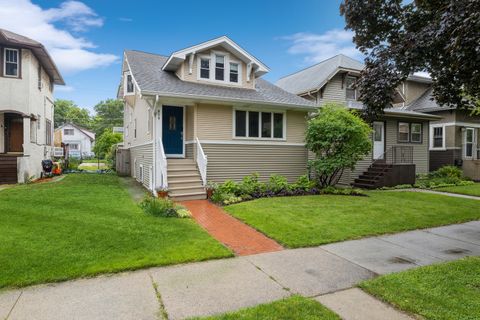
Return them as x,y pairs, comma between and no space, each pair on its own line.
233,72
403,132
11,63
416,135
68,132
205,68
219,67
350,92
130,87
469,140
409,132
255,124
437,138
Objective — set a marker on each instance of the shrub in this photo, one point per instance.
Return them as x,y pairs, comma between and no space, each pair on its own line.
161,207
73,163
250,185
339,139
277,184
444,177
303,183
449,172
342,191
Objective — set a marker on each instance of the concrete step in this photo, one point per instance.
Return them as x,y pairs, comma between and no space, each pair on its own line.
185,183
174,171
173,190
180,161
173,178
181,166
188,196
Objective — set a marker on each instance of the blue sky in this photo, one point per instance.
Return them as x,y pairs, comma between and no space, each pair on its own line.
87,38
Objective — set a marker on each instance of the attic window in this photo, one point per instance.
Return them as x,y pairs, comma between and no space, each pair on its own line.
129,83
219,67
68,132
233,72
351,93
11,63
205,68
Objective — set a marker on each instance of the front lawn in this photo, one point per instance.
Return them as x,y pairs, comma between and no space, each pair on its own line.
87,224
315,220
443,291
471,190
293,308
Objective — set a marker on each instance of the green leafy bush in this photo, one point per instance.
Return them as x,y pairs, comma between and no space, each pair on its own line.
277,183
303,183
448,172
161,207
73,163
250,185
444,177
342,191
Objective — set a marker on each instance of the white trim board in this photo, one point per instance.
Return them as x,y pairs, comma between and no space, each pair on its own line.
249,142
459,124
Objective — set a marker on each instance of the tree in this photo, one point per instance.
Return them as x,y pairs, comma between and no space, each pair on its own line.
109,114
67,111
441,37
339,139
105,141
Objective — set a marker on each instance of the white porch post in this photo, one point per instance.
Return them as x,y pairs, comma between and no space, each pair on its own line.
157,123
2,133
26,136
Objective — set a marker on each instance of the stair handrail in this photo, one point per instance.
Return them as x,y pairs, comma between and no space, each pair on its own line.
202,162
162,163
392,152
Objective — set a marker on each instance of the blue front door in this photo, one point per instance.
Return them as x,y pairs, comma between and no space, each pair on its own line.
172,130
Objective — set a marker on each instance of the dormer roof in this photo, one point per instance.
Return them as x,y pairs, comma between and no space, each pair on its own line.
178,57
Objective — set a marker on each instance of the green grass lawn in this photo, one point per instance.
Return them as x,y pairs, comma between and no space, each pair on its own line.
293,308
314,220
471,190
443,291
87,224
93,161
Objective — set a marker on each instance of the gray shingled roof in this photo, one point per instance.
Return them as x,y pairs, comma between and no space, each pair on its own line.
11,38
147,72
316,76
426,103
398,112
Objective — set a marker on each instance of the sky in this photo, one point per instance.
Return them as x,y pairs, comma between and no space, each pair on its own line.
87,38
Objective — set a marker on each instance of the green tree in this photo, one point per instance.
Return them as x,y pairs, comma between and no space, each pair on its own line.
401,37
104,143
339,139
109,114
66,111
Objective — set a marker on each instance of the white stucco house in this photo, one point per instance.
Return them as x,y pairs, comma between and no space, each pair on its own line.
27,78
78,141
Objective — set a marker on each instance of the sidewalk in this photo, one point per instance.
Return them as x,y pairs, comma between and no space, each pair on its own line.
212,287
443,193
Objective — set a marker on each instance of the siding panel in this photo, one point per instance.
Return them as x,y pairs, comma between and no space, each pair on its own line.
144,156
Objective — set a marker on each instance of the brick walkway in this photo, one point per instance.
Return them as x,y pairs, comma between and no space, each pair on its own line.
236,235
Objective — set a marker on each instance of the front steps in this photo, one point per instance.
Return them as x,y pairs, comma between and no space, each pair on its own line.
374,177
184,180
8,169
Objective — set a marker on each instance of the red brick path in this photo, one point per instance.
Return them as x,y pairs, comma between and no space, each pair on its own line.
236,235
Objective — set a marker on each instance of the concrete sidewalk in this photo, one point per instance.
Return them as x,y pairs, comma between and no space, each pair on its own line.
212,287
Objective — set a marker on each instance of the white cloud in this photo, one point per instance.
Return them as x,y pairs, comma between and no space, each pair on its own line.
71,53
317,47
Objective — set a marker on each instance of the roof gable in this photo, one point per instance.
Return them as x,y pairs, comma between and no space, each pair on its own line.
178,57
86,132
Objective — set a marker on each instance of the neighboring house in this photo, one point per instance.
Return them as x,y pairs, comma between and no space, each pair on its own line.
455,139
78,141
204,113
27,78
400,137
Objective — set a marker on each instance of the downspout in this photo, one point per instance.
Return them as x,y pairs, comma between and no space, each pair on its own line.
154,136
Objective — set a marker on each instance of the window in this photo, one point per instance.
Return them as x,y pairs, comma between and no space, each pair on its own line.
240,123
469,133
48,132
409,132
39,74
68,132
11,63
130,88
255,124
219,67
39,123
437,136
403,132
74,146
233,72
205,68
266,125
416,135
351,92
134,128
33,131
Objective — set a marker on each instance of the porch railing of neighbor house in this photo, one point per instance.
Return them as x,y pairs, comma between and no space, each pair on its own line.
162,163
201,162
396,155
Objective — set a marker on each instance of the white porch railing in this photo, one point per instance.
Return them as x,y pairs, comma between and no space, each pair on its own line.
162,165
201,162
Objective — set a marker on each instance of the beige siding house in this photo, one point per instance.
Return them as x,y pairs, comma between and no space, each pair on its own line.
400,137
205,114
27,76
454,139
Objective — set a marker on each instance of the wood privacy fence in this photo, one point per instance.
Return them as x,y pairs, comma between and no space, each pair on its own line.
123,162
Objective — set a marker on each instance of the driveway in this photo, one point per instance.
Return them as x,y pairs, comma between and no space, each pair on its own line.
212,287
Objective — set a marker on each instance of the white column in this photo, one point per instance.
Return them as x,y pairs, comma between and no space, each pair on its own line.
2,133
26,136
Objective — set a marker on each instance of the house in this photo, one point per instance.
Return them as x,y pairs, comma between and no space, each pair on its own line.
454,139
400,137
27,78
204,113
77,141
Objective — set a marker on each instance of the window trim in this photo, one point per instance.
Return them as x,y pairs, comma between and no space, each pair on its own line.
354,90
472,143
226,68
17,76
410,132
126,92
432,137
259,138
65,129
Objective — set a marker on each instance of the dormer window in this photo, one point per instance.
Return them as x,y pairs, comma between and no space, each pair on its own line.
204,68
11,63
351,92
130,89
219,67
233,72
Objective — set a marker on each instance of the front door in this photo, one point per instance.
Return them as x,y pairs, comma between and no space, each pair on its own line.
15,135
378,140
172,131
